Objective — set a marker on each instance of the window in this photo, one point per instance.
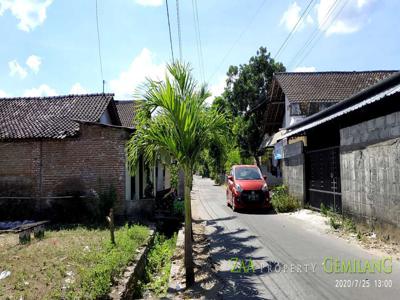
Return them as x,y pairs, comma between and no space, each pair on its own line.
319,106
295,109
247,173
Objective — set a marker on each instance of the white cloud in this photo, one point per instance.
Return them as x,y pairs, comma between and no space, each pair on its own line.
217,89
30,13
305,69
3,94
16,69
34,62
344,17
292,15
142,67
150,2
77,89
41,91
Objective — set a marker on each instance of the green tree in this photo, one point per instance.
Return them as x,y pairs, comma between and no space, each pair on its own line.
173,121
246,95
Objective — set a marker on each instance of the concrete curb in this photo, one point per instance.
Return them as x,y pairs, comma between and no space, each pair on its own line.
125,287
177,264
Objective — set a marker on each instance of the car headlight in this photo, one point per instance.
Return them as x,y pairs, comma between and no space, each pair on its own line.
265,188
239,188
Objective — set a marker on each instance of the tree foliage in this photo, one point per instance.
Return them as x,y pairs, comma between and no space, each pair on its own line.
245,96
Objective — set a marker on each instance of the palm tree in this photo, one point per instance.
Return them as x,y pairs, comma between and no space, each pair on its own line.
173,121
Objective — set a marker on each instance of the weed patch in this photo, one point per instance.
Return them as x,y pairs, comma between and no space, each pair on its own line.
282,201
158,265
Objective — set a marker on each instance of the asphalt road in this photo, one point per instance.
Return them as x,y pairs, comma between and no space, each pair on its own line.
281,257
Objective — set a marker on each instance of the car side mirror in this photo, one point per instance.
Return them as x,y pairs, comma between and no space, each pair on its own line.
265,177
230,177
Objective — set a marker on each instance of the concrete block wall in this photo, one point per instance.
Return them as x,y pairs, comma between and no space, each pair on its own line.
370,170
293,176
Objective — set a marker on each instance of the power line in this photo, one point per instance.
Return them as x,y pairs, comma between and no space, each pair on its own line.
200,43
313,35
179,29
170,34
320,34
198,38
282,47
328,14
99,46
238,39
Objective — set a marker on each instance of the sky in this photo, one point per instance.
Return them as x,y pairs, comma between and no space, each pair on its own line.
50,47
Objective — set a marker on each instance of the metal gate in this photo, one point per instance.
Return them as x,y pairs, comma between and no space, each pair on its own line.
323,178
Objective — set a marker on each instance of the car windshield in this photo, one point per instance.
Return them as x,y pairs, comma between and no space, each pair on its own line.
247,173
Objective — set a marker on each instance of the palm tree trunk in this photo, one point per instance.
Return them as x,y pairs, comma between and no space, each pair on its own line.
188,229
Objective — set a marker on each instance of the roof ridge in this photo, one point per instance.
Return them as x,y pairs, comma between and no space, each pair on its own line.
58,96
124,101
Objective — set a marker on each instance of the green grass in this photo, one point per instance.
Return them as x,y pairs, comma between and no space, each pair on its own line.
282,201
159,265
74,264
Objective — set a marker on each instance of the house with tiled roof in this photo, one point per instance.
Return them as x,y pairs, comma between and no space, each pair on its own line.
56,150
294,96
346,158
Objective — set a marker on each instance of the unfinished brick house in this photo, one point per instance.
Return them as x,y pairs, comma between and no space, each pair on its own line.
54,149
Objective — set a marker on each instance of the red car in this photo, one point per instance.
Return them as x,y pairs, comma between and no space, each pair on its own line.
247,188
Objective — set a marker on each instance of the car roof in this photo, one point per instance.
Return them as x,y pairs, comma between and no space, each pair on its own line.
246,166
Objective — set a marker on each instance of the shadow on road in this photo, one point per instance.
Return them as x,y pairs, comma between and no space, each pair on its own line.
239,267
257,212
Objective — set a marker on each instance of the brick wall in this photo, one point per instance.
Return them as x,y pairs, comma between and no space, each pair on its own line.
92,161
370,170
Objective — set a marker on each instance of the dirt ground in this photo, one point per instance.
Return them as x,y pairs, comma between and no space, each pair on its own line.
207,283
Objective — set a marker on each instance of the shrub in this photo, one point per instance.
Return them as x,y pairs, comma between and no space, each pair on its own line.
282,201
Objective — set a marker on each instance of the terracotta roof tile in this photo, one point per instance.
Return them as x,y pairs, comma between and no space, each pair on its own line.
126,111
327,86
49,117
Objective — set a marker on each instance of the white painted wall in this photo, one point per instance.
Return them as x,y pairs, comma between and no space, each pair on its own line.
105,118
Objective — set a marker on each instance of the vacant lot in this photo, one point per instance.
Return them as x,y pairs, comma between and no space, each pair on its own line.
74,263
